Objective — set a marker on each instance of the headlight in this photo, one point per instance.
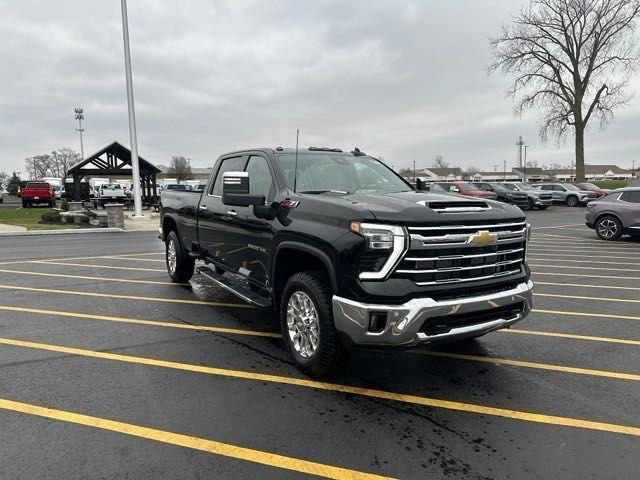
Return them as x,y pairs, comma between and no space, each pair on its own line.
381,238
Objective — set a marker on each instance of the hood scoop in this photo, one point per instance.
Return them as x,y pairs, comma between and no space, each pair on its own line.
457,207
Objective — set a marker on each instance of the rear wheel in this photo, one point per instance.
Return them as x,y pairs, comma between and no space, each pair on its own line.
544,207
572,201
306,319
609,228
24,204
180,265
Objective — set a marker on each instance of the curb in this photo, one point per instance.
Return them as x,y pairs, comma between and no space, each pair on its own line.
61,231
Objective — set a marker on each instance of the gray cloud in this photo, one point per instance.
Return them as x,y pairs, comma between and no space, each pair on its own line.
402,79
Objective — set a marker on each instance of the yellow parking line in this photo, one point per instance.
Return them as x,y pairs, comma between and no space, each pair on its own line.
126,297
529,255
537,366
336,387
114,257
87,265
572,336
582,285
572,267
579,297
84,277
194,443
29,260
583,275
581,255
585,314
153,323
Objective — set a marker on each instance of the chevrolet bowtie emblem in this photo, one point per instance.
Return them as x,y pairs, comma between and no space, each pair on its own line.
483,238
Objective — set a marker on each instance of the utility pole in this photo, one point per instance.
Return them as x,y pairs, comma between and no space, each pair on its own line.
80,117
520,144
414,171
504,171
133,136
524,168
633,168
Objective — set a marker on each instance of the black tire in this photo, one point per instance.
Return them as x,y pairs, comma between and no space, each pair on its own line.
530,204
182,270
608,227
572,201
329,354
544,207
51,204
24,204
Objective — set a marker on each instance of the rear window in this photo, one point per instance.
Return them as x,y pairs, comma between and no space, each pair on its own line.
37,185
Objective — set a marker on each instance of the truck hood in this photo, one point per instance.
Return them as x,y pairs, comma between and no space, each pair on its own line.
416,207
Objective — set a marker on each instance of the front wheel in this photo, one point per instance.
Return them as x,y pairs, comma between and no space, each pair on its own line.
572,201
306,319
180,265
609,228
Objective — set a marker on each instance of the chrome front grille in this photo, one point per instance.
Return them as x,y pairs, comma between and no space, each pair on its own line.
448,254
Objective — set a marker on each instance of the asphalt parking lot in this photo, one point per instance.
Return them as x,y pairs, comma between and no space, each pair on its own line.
110,371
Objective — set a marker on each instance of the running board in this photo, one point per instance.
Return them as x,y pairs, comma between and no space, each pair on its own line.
234,287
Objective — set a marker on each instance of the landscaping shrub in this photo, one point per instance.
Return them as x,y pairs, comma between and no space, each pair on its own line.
64,205
611,184
50,216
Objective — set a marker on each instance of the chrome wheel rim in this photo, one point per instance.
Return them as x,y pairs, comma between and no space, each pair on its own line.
303,324
171,256
607,228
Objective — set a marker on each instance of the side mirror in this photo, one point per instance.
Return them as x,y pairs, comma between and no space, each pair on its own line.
235,190
421,185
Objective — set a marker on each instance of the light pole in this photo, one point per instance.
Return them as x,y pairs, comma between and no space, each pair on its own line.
80,117
133,137
504,171
414,171
525,163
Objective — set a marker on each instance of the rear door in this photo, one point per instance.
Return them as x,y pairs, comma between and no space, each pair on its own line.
217,234
629,205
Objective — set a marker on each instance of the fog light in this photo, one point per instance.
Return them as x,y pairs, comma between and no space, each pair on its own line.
377,322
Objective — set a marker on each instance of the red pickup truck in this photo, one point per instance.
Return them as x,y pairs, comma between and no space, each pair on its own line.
38,192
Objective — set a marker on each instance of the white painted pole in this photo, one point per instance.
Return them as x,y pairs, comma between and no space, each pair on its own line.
133,137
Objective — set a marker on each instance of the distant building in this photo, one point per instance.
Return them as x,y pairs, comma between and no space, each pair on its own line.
532,174
495,177
594,172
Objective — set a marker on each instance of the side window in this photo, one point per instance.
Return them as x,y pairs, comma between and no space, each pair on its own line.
260,180
546,187
560,188
631,197
233,164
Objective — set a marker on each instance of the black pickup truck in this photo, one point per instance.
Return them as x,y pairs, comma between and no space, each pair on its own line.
348,253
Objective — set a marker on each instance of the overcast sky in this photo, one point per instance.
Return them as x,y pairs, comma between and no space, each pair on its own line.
403,79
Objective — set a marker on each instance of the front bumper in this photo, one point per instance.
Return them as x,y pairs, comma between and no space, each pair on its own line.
404,322
542,202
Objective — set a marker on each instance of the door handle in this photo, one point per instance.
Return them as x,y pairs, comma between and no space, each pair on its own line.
232,213
202,207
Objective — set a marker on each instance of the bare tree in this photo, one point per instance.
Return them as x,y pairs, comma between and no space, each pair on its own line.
470,172
4,179
180,167
439,162
55,164
572,59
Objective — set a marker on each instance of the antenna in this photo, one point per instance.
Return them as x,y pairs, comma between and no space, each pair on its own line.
295,171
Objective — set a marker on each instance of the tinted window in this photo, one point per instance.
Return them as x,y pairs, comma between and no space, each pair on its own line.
37,185
546,187
233,164
260,180
632,197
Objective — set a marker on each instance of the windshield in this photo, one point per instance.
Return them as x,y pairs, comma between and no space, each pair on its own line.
340,173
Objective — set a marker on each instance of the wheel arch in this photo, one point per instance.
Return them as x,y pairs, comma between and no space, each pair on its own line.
300,257
608,214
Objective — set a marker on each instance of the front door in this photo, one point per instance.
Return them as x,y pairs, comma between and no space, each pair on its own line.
254,235
216,233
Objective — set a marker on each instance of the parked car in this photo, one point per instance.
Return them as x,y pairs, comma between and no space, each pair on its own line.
467,189
567,193
348,253
36,193
109,193
590,187
536,198
615,214
505,194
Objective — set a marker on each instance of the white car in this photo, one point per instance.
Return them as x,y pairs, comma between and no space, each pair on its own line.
110,193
